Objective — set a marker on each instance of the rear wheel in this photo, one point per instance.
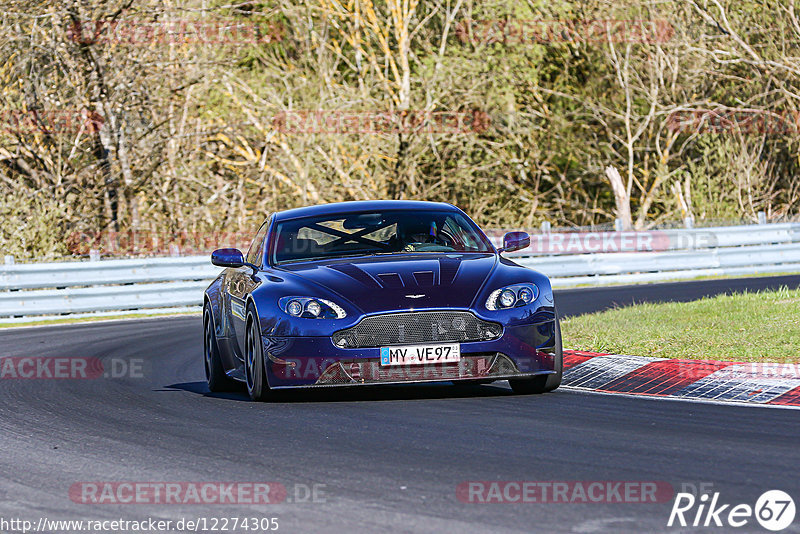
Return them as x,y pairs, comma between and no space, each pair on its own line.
217,380
255,373
543,383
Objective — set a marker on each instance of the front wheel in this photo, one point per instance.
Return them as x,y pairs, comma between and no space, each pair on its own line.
255,373
543,383
217,380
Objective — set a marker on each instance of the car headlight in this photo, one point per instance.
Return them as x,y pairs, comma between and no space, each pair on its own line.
512,296
311,308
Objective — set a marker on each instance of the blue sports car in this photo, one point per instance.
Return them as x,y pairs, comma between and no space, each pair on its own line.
378,292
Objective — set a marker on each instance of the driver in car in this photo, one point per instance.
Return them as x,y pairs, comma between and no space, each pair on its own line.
413,233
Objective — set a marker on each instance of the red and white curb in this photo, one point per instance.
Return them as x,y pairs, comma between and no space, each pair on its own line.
708,380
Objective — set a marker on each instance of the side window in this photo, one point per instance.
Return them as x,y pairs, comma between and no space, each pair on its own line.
256,251
460,235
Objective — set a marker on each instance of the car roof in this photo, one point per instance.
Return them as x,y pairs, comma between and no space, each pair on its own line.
322,210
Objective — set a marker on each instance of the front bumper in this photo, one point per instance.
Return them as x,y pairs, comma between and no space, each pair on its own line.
522,351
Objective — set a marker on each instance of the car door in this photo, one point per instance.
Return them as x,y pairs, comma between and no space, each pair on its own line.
241,283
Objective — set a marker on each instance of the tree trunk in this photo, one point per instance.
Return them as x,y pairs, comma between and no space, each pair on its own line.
621,197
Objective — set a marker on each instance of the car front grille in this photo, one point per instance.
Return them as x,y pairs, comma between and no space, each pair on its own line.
410,328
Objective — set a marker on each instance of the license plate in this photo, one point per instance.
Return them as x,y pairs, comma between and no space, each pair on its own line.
421,354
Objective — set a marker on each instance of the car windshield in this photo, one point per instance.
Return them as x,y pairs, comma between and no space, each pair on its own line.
381,232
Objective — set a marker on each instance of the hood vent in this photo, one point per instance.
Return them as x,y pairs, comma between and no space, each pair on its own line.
424,278
354,272
448,270
391,280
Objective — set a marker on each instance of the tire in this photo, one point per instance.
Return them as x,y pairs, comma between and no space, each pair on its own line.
543,383
255,373
217,380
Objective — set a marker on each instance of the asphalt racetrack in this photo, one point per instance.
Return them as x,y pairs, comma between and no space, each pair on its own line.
381,459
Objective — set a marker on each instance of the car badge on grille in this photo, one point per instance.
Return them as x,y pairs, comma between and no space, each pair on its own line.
415,296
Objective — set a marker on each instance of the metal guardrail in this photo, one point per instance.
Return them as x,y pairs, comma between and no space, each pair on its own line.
48,289
91,273
637,267
102,298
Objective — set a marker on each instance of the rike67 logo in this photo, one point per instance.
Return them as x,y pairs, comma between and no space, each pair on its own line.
774,510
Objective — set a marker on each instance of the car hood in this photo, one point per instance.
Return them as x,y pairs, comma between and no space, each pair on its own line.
383,283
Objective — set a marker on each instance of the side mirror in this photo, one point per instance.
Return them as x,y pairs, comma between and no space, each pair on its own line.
227,257
513,241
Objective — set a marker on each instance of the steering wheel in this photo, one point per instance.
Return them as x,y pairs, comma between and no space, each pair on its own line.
446,240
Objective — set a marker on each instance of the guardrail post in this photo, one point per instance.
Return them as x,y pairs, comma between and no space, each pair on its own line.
9,259
618,225
546,227
762,217
94,254
688,222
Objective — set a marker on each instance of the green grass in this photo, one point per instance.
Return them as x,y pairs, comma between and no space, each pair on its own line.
748,327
